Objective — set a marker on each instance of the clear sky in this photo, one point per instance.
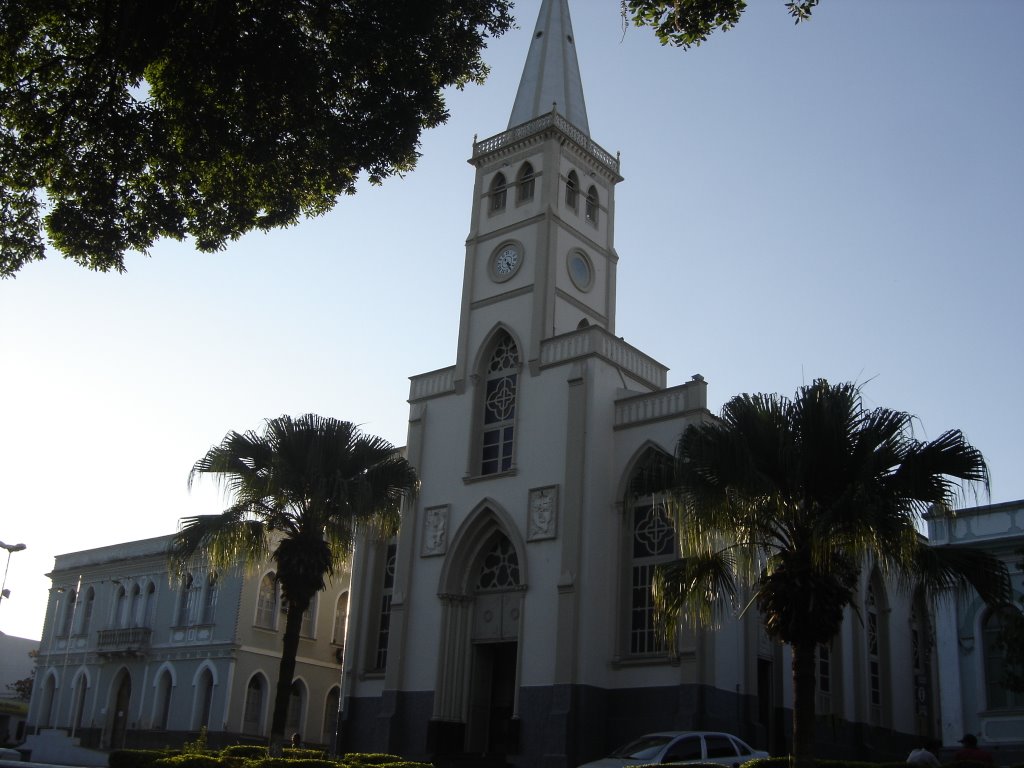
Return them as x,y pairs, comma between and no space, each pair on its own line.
839,199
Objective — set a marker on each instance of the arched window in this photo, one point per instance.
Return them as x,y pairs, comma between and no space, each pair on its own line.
134,606
997,695
501,377
592,205
120,618
266,602
204,697
525,183
149,609
340,620
69,613
210,598
330,716
572,191
653,542
296,700
187,600
164,687
252,717
87,606
498,192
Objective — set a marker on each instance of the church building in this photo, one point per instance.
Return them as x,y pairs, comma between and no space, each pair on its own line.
512,615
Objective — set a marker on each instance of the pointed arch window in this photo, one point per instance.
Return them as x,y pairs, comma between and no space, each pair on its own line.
296,699
90,601
499,406
997,664
593,205
266,602
252,717
69,612
210,598
165,686
653,542
120,618
132,618
330,715
205,694
572,192
187,600
823,677
525,183
498,193
149,609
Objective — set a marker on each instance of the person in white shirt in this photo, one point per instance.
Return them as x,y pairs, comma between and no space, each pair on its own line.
924,755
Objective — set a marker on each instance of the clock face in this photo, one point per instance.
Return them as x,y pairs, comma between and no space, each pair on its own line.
506,261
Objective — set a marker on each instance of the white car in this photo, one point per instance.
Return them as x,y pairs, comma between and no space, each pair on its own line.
677,747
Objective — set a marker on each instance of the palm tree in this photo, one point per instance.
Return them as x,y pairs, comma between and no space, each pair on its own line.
299,491
789,498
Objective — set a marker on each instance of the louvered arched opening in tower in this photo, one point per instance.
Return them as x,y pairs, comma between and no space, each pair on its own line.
593,204
525,183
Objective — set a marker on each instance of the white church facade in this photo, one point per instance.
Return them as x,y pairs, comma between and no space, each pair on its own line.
512,615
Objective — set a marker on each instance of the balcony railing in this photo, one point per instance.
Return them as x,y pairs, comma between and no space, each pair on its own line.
130,641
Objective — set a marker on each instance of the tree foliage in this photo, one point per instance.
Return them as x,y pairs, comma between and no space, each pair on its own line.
299,491
125,122
684,23
790,498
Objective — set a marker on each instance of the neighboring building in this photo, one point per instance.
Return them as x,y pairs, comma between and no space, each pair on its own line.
129,658
16,663
512,616
970,661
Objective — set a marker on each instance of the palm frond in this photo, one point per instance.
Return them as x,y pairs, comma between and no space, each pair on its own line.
945,571
698,589
225,540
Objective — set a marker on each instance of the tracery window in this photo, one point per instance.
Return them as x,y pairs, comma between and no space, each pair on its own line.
525,184
499,406
498,192
205,697
592,205
149,608
500,567
188,600
293,723
654,541
131,619
572,191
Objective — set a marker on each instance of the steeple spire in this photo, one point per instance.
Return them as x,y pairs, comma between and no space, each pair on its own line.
551,76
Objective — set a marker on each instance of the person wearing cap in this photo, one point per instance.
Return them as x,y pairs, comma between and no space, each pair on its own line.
971,750
925,755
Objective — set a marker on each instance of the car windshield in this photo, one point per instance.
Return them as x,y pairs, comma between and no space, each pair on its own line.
644,748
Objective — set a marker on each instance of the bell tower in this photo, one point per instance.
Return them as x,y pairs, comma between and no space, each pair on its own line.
540,257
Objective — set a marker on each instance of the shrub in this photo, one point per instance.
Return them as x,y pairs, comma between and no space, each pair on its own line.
135,758
198,761
288,762
360,759
245,750
298,753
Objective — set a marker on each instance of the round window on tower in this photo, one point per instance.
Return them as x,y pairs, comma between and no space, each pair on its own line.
581,271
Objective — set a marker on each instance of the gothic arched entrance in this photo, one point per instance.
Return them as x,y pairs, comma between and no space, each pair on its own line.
119,712
476,702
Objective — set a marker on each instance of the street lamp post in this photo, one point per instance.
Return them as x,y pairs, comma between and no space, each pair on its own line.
10,549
